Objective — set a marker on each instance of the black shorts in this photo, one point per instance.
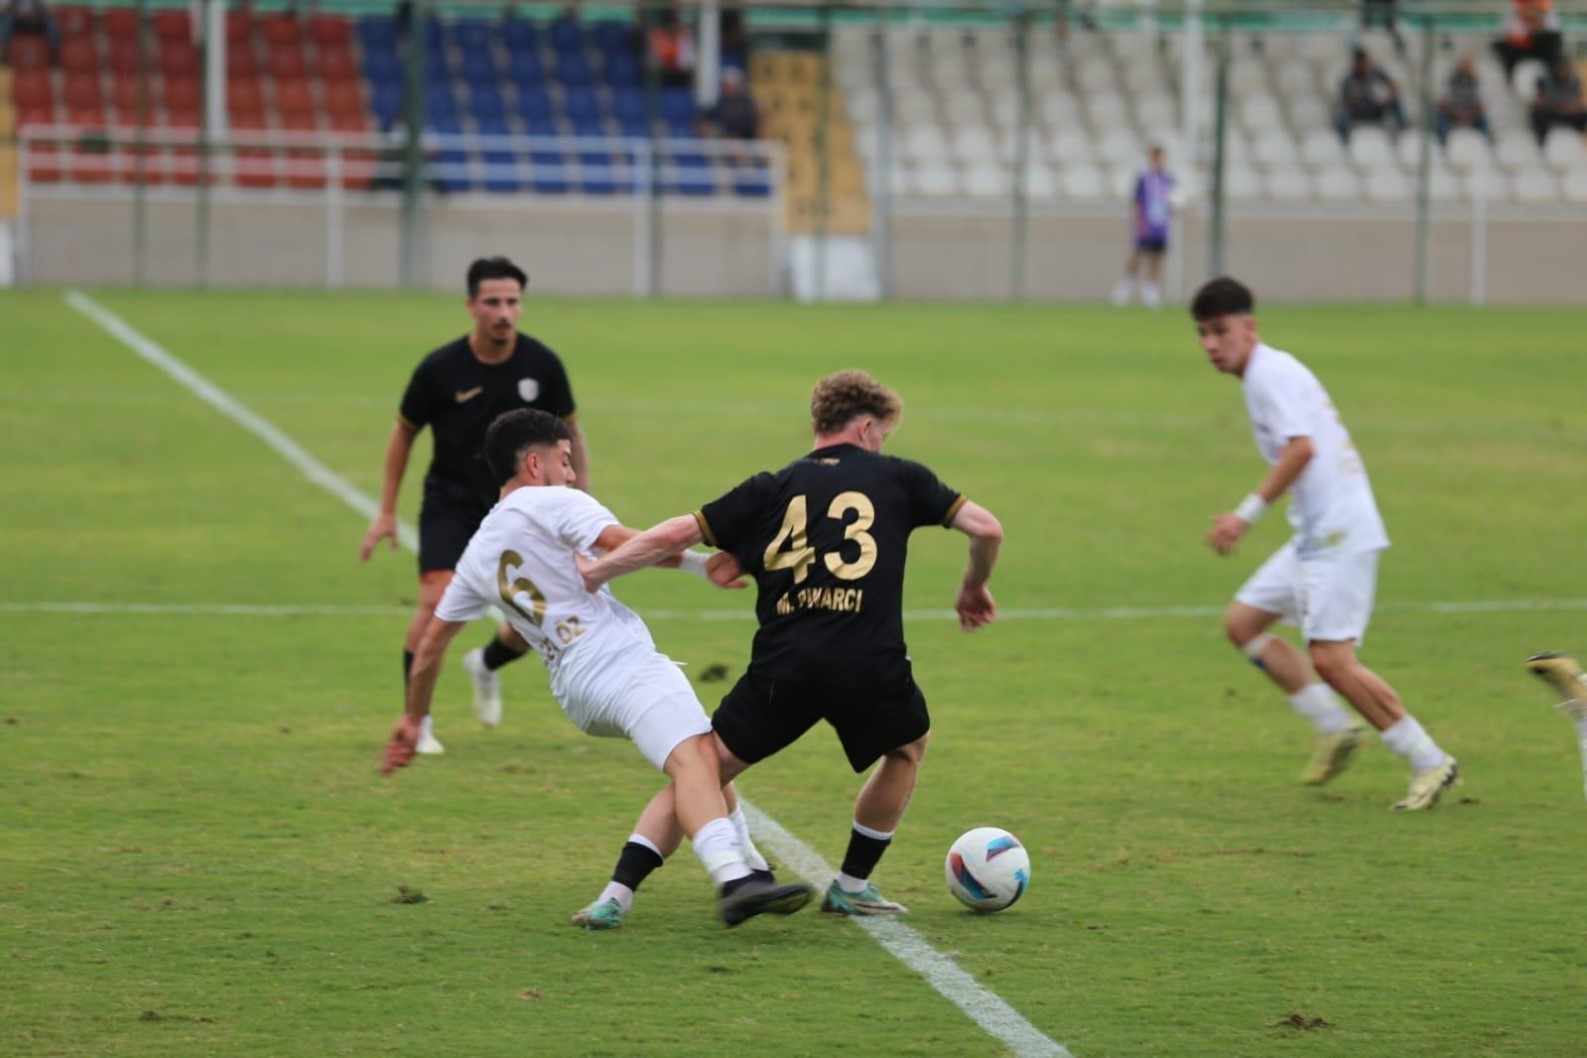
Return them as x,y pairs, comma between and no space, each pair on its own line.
1148,245
759,717
448,519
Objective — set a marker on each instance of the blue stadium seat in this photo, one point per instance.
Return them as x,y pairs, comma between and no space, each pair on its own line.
677,106
450,163
549,173
629,104
611,38
501,164
439,103
472,34
519,35
581,105
377,31
534,104
622,71
573,70
565,36
526,68
382,67
681,130
486,103
385,100
434,34
751,180
437,68
688,174
479,68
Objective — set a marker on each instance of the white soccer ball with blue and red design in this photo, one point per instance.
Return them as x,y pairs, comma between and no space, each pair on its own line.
988,869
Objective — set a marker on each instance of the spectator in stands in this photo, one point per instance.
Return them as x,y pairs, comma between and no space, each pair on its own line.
1559,100
21,17
1531,31
1462,107
1367,95
672,50
734,39
734,116
1153,210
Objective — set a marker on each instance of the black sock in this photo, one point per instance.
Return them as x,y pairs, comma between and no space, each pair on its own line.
498,654
407,666
635,864
863,855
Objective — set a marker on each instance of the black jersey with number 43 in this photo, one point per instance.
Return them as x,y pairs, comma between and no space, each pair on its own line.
826,538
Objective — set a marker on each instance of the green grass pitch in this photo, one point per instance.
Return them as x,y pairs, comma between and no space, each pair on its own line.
198,857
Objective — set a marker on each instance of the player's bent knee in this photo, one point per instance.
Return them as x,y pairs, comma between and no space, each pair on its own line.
1333,661
695,755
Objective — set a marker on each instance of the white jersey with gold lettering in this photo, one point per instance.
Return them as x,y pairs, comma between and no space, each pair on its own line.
1331,507
521,561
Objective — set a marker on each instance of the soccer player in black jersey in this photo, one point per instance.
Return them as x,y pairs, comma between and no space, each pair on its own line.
826,539
458,391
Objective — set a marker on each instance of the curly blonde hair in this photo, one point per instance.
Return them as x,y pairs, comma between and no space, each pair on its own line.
842,397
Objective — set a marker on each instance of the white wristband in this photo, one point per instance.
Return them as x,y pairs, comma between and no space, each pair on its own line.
694,562
1251,508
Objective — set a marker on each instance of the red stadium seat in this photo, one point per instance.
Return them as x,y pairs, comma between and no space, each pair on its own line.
81,55
87,166
179,60
293,99
241,62
239,27
32,89
42,163
336,64
83,90
305,166
125,96
29,52
121,23
285,63
244,97
28,117
75,21
282,29
358,165
124,58
330,31
183,95
344,99
172,25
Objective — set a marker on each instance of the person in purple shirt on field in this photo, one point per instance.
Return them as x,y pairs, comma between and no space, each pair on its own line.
1153,209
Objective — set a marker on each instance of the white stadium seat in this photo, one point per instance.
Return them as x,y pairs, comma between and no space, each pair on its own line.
1371,148
1489,185
1536,186
987,181
1574,186
1467,149
1082,181
1274,149
938,181
1288,185
1338,185
1517,149
1389,185
1321,148
1565,149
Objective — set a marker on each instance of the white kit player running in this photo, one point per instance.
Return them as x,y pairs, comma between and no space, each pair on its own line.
605,670
1324,578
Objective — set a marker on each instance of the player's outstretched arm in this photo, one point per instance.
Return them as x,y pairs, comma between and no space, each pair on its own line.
639,552
384,526
421,689
975,604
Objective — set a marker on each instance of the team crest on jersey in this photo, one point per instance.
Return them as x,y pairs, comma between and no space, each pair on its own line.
528,389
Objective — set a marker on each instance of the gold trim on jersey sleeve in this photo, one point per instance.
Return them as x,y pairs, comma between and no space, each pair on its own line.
953,510
571,417
705,530
403,419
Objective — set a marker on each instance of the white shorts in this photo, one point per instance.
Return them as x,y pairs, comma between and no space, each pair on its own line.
650,702
1329,596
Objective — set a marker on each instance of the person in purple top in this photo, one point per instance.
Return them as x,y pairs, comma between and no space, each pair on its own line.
1153,207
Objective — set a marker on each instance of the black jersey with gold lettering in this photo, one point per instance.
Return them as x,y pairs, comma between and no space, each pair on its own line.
826,538
458,397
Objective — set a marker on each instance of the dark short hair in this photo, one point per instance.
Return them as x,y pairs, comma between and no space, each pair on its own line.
515,432
494,268
1222,297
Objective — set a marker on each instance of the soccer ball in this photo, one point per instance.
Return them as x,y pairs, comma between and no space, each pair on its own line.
988,869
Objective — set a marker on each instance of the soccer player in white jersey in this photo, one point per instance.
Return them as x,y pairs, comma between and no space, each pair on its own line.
1324,577
605,670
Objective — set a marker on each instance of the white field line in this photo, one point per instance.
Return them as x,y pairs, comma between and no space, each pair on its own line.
1110,613
991,1013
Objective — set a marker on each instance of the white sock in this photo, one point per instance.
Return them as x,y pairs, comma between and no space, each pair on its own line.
1151,296
1409,740
1122,291
1322,707
428,726
1581,729
752,857
619,892
850,884
717,847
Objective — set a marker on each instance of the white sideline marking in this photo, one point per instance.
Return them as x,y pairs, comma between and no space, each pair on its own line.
233,409
980,1004
988,1011
222,609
